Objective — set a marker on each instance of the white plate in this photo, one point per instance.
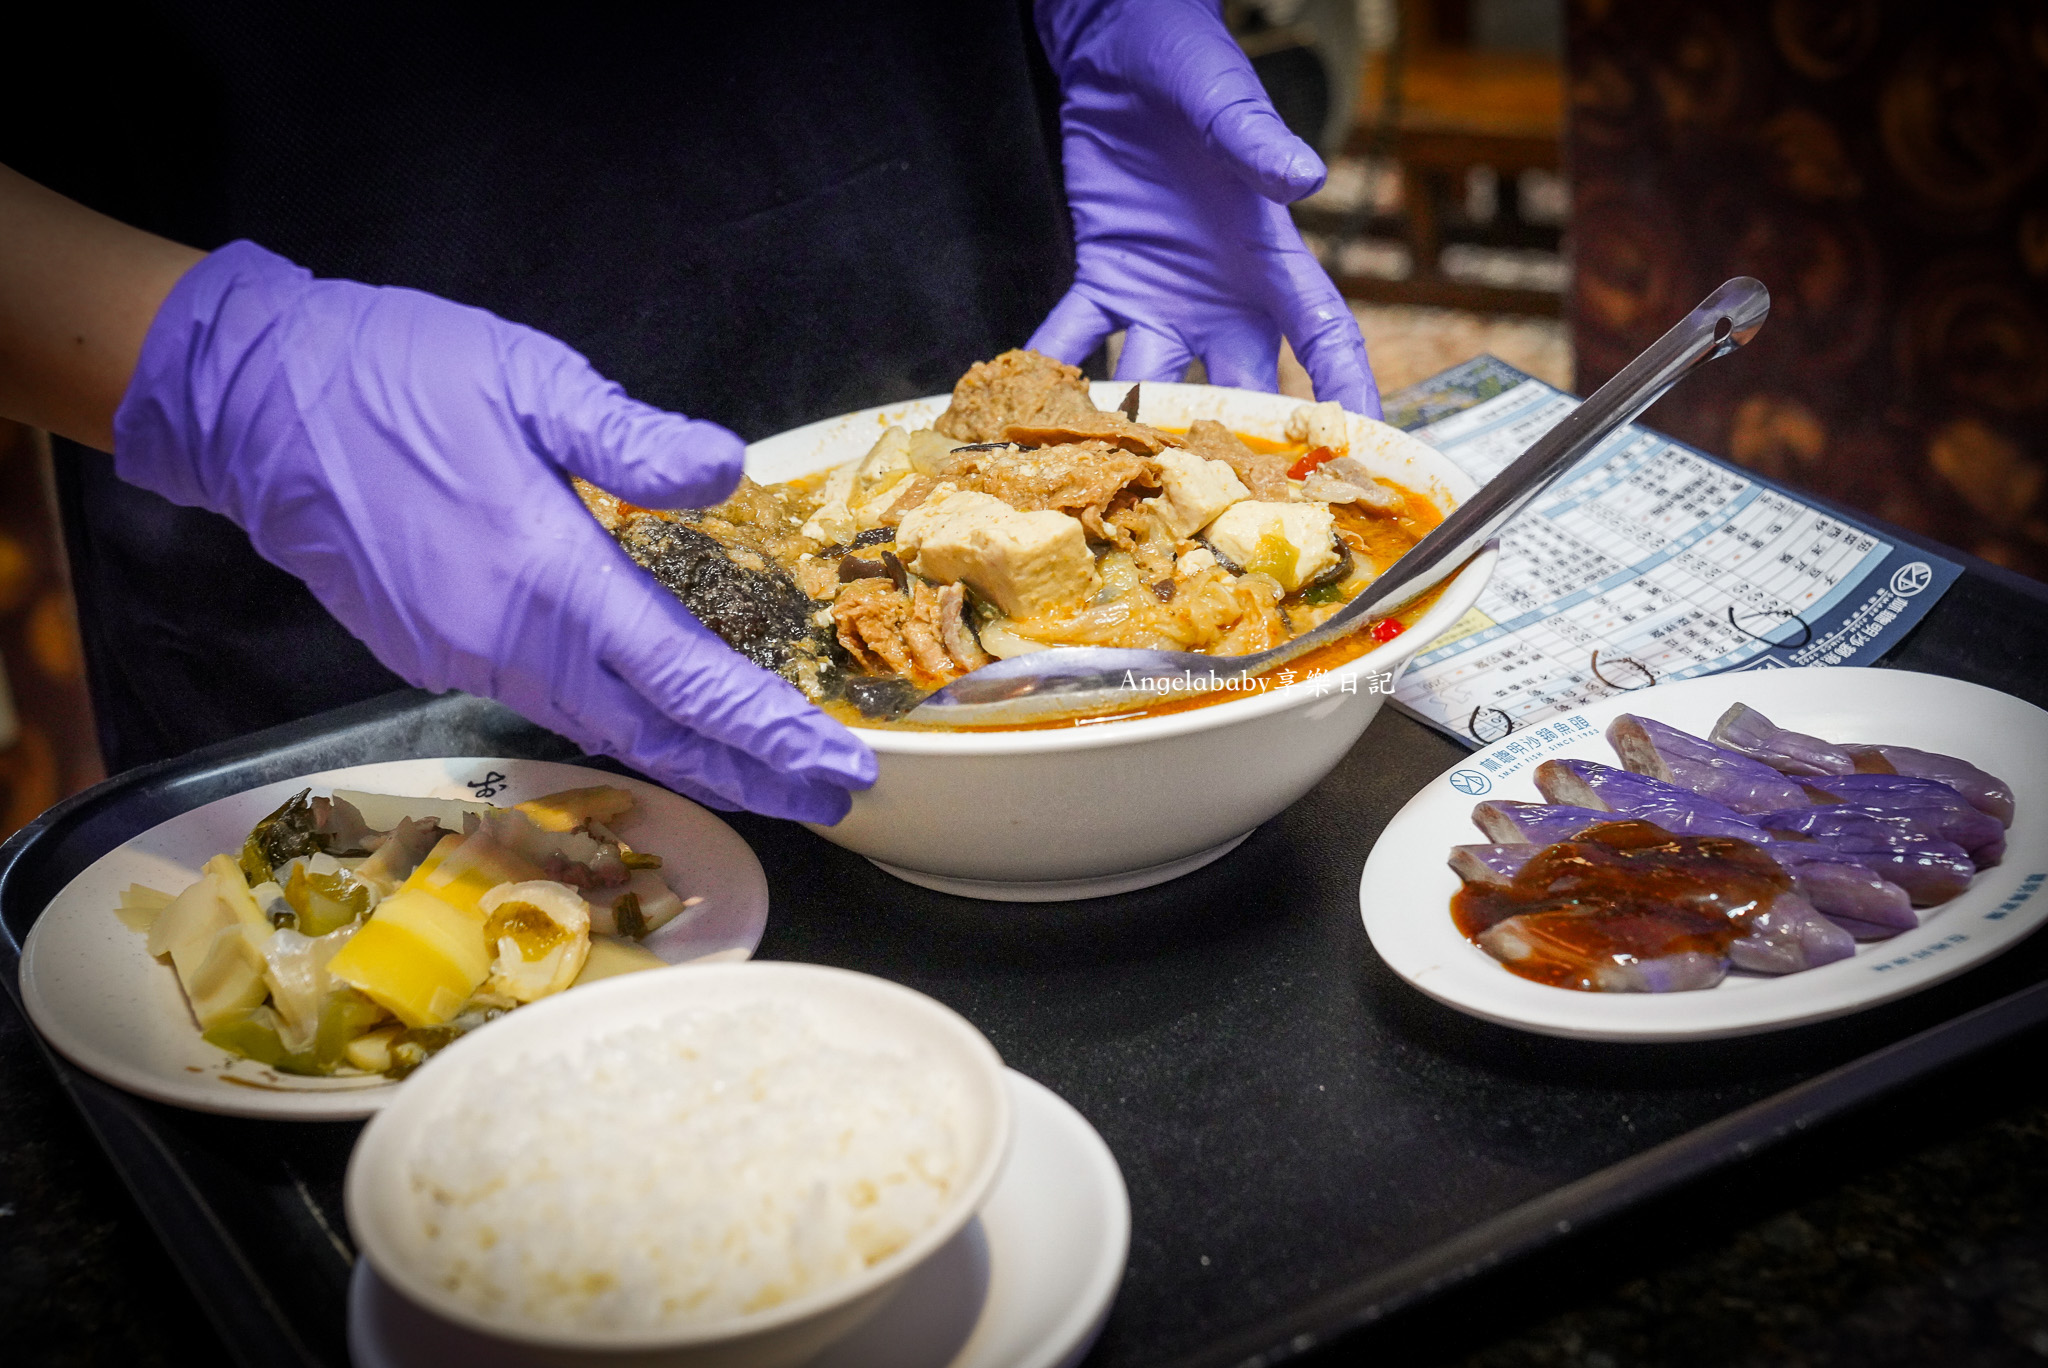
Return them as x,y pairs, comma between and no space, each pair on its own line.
1406,891
1027,1284
102,1002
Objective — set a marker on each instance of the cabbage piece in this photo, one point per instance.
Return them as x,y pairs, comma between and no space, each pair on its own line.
295,969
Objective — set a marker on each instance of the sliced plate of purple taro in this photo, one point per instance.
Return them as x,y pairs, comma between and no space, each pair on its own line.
1720,856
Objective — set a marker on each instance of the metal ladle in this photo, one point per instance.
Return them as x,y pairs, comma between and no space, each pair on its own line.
1077,680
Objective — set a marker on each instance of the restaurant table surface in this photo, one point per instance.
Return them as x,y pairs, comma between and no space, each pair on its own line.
1228,1033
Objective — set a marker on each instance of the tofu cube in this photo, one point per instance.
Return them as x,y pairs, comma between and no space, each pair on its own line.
1193,491
1024,563
1321,425
1292,542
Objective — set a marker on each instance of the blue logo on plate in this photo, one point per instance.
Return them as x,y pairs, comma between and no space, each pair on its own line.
1471,783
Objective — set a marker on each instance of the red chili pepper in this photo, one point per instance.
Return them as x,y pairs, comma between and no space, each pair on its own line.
1386,629
1316,456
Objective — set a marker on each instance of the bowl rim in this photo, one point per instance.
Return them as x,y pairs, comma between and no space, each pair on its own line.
1460,591
380,1151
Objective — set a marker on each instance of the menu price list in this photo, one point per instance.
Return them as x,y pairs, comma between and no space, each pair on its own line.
1647,562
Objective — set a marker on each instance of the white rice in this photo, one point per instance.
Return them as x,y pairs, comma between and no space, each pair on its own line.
711,1165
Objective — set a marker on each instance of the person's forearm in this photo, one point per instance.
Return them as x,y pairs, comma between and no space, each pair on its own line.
77,293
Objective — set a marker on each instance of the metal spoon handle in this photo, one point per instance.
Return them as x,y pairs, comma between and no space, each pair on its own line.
1724,320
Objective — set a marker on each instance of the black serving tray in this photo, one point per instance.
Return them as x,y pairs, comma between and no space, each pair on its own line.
1310,1144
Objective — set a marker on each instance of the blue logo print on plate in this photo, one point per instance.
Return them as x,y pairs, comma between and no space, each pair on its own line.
1471,783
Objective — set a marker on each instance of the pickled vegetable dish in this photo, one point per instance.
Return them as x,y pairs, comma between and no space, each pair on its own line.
356,933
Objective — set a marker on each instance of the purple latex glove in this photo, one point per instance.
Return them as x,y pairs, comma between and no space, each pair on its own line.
409,459
1178,173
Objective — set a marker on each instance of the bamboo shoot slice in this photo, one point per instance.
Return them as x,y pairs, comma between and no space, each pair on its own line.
417,957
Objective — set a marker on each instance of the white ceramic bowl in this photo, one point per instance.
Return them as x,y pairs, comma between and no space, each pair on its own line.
856,1009
1087,811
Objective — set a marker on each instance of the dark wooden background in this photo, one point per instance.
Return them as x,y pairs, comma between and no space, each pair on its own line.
1883,167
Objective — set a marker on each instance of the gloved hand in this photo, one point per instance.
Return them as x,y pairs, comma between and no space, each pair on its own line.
409,459
1178,171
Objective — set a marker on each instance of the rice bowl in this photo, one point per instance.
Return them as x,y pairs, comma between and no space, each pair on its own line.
732,1164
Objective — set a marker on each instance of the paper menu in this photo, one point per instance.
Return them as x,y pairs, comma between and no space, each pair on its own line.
1649,562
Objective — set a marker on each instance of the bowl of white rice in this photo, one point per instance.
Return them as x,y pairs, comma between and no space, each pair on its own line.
704,1165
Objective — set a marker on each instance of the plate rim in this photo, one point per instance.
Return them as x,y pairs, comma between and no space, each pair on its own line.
1089,1312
